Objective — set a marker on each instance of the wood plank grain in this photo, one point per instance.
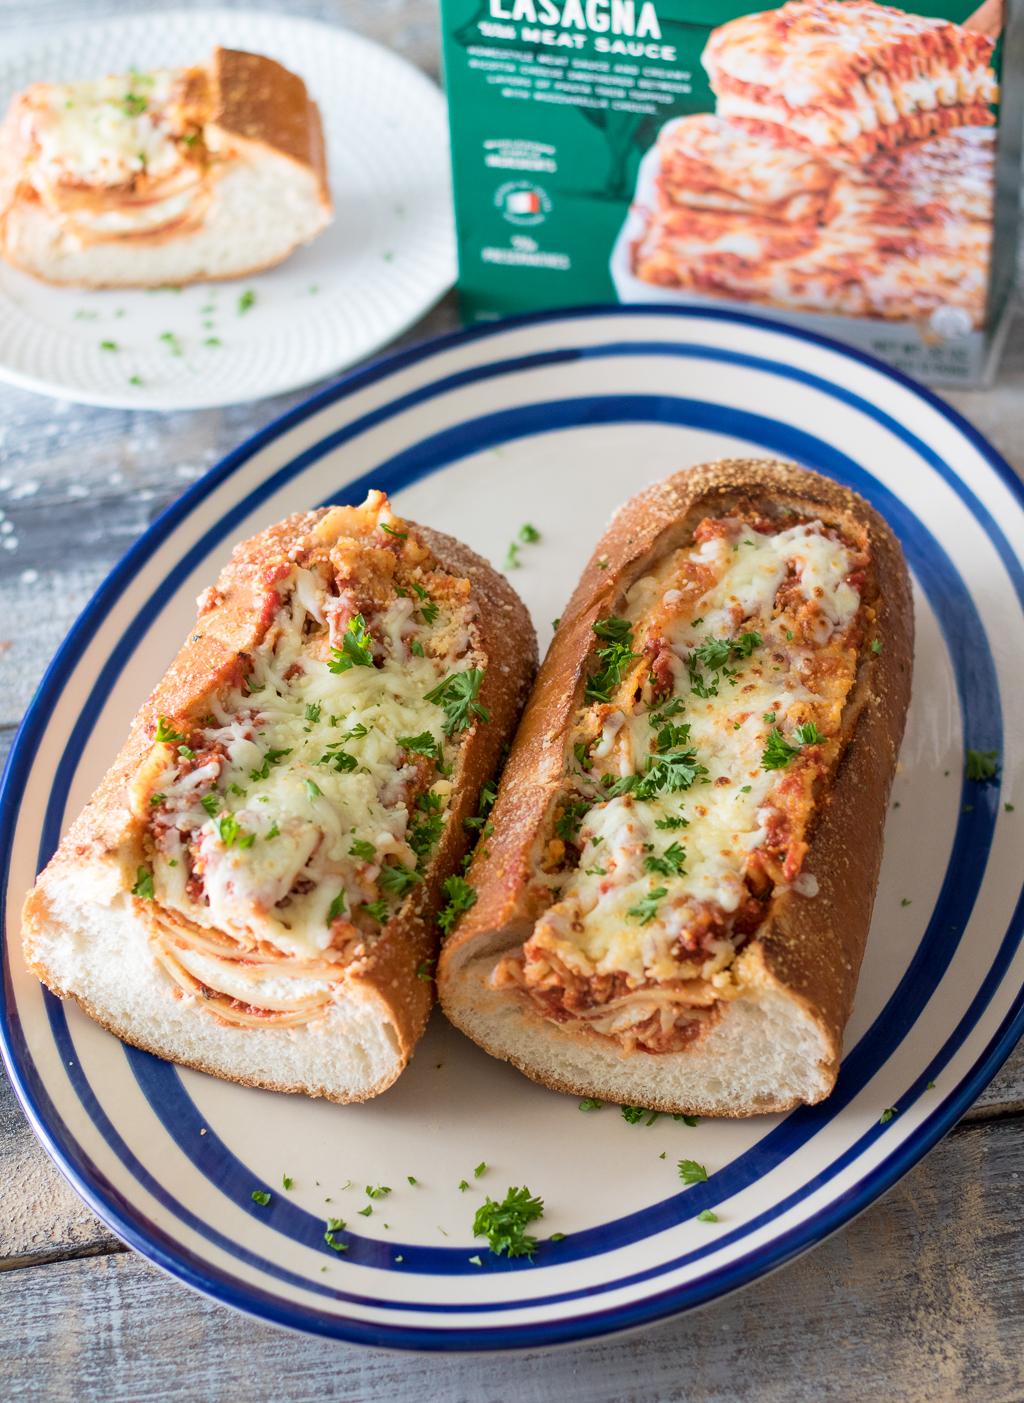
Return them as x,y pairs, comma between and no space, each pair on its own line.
920,1298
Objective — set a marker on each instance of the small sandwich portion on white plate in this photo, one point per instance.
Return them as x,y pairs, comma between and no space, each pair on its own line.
169,176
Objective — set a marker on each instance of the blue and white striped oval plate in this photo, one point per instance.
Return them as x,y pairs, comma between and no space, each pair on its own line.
553,420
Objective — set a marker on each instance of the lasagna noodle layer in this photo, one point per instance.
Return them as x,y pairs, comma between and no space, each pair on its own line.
707,163
849,74
860,266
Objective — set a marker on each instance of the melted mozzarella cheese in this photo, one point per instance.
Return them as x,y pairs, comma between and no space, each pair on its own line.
279,876
597,924
105,131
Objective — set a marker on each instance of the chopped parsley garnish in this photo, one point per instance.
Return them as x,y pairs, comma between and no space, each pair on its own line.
341,760
211,803
461,896
109,346
313,712
313,789
362,849
411,1179
463,1185
688,1120
528,534
707,1216
480,1169
512,561
336,908
155,800
647,907
230,832
632,1115
769,718
671,821
356,647
143,884
288,1182
376,910
165,732
888,1114
399,535
416,649
425,832
808,734
713,655
260,1196
247,300
172,342
669,864
397,880
423,970
668,773
133,105
333,1242
691,1172
777,752
567,824
271,757
366,1212
982,765
663,713
504,1224
876,645
615,658
590,1104
485,804
377,1190
424,744
457,694
557,1237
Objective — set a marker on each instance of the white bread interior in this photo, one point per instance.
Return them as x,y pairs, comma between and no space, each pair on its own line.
85,938
766,1052
263,206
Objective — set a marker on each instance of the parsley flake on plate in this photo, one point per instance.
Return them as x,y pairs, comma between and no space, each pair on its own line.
504,1224
691,1172
261,1197
982,765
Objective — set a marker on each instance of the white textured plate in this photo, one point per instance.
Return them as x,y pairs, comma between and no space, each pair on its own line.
388,256
553,420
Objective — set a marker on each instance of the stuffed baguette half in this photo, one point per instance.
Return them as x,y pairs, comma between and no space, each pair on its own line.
674,898
252,890
168,176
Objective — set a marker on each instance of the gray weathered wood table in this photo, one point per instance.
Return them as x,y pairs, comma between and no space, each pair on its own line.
920,1298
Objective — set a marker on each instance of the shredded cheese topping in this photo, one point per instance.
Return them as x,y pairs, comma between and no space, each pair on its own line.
294,818
717,703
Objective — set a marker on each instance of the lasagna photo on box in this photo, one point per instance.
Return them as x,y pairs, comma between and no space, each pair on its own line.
849,169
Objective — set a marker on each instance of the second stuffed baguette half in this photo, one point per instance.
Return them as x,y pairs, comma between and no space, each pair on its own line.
673,900
253,888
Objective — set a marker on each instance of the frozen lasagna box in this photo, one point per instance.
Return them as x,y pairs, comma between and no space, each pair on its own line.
846,165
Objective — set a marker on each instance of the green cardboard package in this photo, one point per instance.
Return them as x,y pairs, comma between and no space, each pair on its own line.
844,165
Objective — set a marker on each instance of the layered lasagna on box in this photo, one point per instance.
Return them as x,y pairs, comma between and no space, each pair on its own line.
836,175
850,77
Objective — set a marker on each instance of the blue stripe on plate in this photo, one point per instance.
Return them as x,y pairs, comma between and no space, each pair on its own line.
20,763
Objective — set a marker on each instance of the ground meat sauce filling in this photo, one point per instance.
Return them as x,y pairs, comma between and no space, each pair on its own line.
712,718
288,819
